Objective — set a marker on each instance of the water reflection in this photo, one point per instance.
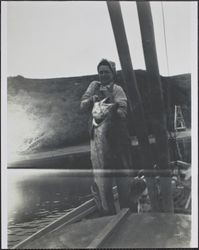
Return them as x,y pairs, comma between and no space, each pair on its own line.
37,197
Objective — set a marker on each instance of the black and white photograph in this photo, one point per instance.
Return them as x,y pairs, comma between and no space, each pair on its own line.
99,124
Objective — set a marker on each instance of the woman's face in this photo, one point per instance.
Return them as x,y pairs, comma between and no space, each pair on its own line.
105,74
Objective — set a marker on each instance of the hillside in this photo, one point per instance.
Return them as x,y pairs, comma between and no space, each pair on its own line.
44,114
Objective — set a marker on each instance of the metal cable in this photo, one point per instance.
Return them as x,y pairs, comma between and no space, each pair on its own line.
174,136
165,41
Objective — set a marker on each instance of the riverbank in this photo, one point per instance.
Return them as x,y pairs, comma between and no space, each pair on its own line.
47,116
78,157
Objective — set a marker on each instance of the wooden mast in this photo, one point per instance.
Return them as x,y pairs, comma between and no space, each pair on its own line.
135,102
157,102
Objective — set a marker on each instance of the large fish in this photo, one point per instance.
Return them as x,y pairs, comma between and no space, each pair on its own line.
105,157
102,155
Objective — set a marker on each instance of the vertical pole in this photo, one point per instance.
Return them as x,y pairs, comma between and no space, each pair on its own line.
157,102
135,102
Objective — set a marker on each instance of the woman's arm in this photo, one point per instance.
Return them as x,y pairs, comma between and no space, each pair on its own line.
121,100
89,97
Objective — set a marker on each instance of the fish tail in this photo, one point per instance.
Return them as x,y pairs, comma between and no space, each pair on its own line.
105,195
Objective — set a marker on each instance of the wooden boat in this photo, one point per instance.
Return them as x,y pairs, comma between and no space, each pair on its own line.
125,229
83,228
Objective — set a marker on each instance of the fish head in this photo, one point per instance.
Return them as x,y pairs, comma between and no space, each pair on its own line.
101,109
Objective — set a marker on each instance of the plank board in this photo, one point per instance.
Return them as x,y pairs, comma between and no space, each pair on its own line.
73,216
109,229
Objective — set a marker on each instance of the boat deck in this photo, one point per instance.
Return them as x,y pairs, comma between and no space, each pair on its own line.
152,231
124,230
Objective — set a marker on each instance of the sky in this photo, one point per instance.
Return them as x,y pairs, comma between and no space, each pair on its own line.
68,38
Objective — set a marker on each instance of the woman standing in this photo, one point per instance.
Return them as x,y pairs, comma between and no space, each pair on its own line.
113,143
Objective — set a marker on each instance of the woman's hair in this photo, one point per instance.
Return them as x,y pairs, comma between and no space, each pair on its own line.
108,63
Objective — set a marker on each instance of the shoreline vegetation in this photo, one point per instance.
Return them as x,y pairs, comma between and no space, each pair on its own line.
50,107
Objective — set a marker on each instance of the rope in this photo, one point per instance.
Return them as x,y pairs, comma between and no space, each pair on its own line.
165,41
166,52
174,136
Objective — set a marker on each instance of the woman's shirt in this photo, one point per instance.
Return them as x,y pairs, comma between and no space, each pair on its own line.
114,91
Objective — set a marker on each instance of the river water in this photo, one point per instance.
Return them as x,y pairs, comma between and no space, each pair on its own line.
37,197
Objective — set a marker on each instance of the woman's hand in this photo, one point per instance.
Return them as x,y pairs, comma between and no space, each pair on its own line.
89,102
